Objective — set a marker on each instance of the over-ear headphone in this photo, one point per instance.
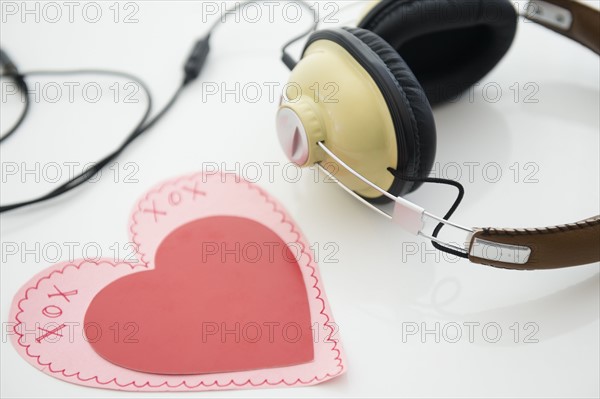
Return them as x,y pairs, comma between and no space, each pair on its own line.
380,133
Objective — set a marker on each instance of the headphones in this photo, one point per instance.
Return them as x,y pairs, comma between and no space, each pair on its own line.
404,56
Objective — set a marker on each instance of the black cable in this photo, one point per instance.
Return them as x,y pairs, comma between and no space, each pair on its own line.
192,69
455,205
12,72
89,173
142,126
22,86
287,59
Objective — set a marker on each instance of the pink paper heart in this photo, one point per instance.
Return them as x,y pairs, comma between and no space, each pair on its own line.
209,305
48,312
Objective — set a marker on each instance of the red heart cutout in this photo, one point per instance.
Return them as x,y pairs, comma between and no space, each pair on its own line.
202,310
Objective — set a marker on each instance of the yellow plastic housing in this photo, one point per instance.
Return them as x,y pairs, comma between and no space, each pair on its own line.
340,104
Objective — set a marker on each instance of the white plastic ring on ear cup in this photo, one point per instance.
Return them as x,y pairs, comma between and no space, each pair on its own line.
292,136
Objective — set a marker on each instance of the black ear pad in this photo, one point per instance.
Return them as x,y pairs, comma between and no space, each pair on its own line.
448,44
421,117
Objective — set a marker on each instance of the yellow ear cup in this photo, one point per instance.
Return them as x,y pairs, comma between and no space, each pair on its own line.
331,98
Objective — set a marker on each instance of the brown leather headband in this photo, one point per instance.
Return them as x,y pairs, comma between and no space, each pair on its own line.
559,246
544,248
570,18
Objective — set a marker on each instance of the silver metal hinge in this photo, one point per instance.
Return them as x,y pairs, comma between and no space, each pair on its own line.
514,254
549,14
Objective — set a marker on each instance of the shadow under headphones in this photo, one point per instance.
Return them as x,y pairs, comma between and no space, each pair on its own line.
380,136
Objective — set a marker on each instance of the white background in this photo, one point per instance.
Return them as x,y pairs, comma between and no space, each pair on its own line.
378,284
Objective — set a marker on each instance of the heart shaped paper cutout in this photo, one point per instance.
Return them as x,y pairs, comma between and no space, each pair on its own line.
221,298
47,314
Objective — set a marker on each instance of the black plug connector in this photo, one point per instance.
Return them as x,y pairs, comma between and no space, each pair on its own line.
197,59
